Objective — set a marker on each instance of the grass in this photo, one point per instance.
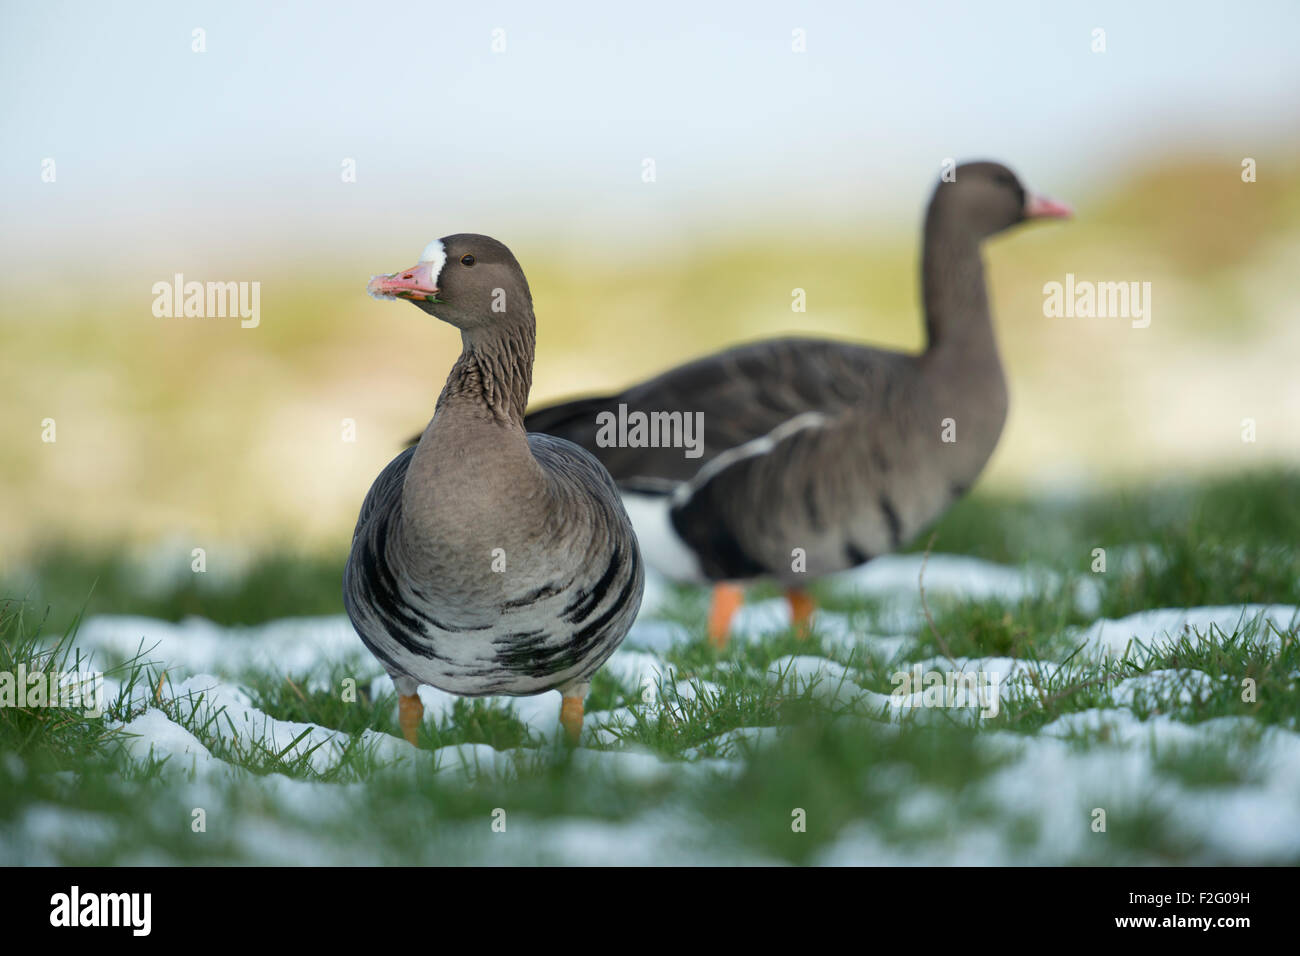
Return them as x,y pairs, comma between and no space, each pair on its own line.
930,787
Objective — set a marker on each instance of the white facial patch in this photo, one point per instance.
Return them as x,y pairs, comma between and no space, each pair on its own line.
436,255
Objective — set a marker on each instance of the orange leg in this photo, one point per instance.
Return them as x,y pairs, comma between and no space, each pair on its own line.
571,718
801,611
410,712
727,599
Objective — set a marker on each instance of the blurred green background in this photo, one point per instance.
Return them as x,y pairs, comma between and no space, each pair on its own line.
775,170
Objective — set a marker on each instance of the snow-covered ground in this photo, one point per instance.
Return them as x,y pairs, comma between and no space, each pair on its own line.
1048,777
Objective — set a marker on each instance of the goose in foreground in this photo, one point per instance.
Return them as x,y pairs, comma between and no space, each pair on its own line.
817,455
487,560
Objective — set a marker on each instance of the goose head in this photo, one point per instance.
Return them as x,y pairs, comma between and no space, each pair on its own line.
985,198
466,280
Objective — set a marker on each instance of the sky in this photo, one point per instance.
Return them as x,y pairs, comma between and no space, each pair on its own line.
157,146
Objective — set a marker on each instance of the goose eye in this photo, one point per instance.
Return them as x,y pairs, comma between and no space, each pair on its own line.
467,260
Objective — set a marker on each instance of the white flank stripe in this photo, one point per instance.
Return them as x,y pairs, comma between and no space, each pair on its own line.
757,446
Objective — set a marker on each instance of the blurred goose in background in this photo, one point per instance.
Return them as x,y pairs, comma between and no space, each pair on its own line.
487,560
819,455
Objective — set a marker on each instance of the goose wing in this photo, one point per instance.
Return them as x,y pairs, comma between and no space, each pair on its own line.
743,394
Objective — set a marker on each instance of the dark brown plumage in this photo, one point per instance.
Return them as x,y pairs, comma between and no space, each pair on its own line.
819,455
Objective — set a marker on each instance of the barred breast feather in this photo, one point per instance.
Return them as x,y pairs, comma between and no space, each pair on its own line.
547,619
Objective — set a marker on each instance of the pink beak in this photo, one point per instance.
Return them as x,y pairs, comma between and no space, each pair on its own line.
1040,207
415,283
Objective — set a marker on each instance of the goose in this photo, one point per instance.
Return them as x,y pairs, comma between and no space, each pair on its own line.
819,455
487,560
